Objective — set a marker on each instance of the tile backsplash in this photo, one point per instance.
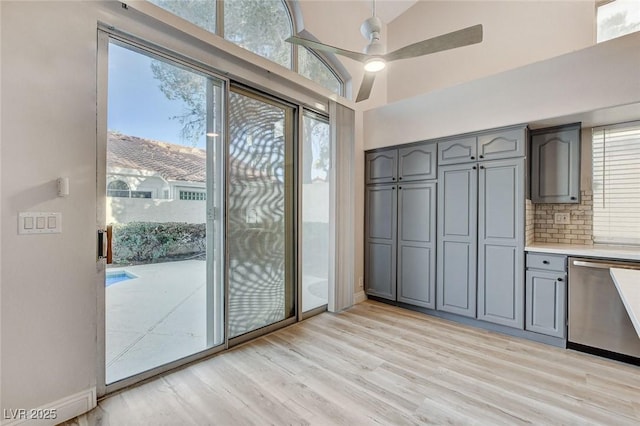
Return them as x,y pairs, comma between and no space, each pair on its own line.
579,230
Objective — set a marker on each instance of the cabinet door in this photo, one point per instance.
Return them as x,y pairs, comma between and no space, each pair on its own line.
417,162
501,242
555,166
546,302
502,144
380,250
381,167
416,244
457,249
457,151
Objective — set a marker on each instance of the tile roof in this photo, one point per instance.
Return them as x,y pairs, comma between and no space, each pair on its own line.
171,161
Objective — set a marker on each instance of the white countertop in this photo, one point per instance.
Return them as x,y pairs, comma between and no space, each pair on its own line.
627,282
596,251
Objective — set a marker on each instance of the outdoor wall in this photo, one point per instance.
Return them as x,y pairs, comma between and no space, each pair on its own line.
516,33
125,210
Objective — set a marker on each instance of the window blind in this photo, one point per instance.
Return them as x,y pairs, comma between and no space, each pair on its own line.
616,184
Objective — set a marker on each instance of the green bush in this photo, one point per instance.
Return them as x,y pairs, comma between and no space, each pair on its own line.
150,242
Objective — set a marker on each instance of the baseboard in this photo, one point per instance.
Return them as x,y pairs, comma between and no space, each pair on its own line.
53,413
359,297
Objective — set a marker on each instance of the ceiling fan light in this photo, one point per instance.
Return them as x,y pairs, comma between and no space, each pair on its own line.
374,65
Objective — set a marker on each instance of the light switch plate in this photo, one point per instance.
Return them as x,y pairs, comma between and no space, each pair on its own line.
39,223
561,219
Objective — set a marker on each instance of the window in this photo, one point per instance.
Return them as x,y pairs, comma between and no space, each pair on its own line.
140,194
193,195
617,18
260,26
118,188
616,184
314,68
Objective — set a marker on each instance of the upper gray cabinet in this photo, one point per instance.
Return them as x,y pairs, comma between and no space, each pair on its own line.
382,166
457,151
417,162
411,163
497,144
555,164
503,144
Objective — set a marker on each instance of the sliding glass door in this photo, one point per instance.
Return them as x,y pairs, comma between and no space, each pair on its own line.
164,284
260,238
216,199
316,206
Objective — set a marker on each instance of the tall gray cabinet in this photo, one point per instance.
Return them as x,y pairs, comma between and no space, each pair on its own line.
400,224
480,257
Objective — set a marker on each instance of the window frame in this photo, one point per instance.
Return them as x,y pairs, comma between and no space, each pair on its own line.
294,15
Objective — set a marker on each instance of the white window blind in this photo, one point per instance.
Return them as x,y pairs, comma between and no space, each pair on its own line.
616,184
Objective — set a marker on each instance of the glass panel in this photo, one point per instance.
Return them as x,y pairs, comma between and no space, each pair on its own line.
164,288
260,26
316,202
199,12
310,66
260,215
618,18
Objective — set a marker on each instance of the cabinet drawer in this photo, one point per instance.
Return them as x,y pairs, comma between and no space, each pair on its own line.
548,262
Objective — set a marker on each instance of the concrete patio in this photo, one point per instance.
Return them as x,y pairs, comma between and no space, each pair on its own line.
159,316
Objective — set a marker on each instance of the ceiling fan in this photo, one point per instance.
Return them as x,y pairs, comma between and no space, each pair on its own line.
374,58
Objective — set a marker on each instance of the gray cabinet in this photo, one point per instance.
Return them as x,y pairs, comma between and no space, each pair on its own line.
497,144
480,253
380,247
460,150
417,162
501,189
416,244
546,294
381,167
457,236
555,165
400,224
411,163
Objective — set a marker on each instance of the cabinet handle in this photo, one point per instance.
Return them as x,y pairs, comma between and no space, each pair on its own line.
400,178
573,198
473,158
399,187
482,167
481,156
393,178
393,188
546,262
560,279
474,167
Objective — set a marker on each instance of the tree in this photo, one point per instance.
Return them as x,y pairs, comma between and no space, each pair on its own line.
615,26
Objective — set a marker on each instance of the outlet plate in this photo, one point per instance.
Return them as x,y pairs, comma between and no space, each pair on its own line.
561,219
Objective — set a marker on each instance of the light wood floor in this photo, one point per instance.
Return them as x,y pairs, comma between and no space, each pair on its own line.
377,364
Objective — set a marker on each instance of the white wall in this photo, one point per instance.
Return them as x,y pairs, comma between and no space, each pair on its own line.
48,130
571,86
50,282
515,33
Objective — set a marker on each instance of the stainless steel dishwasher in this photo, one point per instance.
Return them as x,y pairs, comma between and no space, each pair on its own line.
598,321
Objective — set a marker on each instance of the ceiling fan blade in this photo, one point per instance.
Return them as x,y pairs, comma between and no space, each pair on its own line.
361,57
366,86
464,37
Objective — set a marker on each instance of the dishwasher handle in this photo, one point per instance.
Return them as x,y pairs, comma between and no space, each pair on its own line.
602,265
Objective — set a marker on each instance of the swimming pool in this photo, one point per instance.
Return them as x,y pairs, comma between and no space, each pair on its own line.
114,277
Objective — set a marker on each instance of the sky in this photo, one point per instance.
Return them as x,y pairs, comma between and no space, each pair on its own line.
137,107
